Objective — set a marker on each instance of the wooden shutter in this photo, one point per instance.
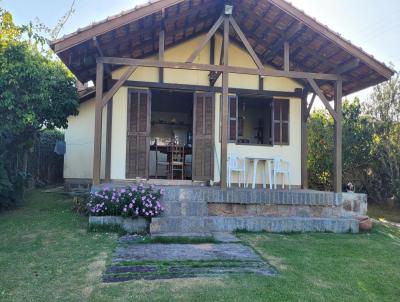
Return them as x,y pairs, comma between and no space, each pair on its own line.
281,122
203,137
269,124
138,134
233,119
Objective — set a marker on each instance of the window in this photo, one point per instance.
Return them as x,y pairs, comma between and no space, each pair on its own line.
281,122
233,119
258,121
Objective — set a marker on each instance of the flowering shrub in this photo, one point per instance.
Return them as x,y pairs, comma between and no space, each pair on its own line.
132,201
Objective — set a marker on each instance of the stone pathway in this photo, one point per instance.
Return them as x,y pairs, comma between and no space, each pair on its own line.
133,260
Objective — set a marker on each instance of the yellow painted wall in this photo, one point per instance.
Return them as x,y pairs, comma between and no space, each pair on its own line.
82,127
118,137
79,137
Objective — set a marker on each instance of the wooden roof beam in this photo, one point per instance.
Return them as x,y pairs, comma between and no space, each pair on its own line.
353,63
294,29
246,44
101,54
209,67
323,98
206,39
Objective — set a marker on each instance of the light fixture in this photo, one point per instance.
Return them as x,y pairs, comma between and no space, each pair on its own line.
228,10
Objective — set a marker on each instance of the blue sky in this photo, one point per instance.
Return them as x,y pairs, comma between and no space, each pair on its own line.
373,25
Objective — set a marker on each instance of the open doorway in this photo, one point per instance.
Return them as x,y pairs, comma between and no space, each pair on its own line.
171,135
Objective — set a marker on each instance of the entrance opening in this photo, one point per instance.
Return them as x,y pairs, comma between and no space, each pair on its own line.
171,135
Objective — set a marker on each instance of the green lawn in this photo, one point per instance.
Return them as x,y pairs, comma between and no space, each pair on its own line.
46,254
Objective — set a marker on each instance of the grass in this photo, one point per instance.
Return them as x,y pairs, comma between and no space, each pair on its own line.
47,254
390,214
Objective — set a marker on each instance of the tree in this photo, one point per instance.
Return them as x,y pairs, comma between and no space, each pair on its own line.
357,146
36,91
383,107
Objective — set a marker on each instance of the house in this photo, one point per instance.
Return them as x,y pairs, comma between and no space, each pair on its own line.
219,77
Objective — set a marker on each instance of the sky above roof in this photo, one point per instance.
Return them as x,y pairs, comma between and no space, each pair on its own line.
373,25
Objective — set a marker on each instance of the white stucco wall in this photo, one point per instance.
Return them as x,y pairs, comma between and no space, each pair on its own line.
79,138
79,135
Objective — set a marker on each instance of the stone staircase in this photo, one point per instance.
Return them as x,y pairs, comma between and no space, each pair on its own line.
187,212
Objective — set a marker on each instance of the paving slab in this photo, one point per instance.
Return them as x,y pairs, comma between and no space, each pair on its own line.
182,252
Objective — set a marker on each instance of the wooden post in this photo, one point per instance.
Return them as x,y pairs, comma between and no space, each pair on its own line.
108,141
212,50
225,113
304,134
337,182
98,124
286,56
161,49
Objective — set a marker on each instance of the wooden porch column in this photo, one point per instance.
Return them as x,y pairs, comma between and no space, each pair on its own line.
161,48
108,141
304,138
225,112
98,124
337,179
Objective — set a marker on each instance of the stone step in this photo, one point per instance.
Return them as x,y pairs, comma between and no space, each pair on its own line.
187,224
185,208
187,235
178,224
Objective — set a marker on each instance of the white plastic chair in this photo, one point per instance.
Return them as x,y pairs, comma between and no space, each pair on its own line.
281,166
236,164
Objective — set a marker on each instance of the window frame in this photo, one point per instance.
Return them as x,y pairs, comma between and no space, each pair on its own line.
235,119
281,122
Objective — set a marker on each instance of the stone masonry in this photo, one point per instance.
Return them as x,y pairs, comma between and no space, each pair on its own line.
203,210
210,209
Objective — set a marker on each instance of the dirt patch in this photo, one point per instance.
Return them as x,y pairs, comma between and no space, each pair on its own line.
95,270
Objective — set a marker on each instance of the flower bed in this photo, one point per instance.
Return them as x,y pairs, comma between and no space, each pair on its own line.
132,201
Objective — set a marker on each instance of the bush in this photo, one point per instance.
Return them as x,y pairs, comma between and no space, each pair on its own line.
7,198
131,201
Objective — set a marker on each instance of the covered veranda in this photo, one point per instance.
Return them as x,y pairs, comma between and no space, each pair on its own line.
297,47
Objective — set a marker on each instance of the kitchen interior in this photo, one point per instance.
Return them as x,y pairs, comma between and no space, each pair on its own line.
171,135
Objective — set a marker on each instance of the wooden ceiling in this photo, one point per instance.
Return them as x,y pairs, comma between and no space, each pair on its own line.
266,23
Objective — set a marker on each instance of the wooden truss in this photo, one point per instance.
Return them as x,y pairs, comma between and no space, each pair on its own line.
224,69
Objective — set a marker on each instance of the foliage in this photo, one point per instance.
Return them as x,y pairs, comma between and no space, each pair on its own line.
36,92
384,108
357,144
128,202
371,149
320,148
